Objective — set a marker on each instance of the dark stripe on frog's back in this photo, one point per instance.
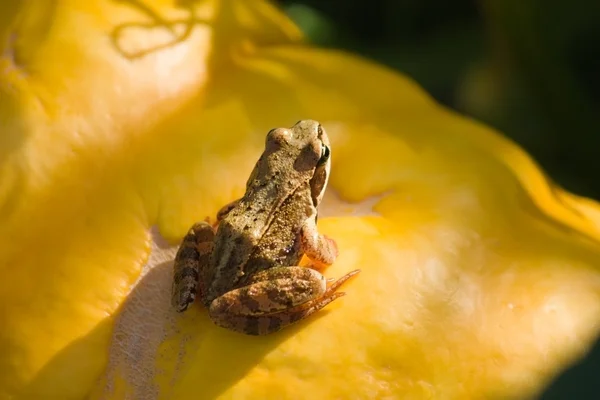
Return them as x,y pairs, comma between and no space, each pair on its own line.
234,243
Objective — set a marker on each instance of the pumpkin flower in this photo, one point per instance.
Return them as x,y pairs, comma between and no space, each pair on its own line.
124,122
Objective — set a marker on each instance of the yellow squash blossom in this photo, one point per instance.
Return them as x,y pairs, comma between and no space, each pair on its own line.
123,122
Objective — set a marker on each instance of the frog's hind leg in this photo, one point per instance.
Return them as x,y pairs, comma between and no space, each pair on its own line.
274,299
191,260
271,291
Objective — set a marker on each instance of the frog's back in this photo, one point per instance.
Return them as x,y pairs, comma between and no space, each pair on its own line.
280,244
243,248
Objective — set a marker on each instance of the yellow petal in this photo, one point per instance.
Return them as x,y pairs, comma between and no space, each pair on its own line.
478,277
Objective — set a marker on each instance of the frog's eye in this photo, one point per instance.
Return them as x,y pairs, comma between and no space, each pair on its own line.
325,153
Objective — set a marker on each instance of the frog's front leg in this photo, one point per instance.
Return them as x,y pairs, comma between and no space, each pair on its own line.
319,248
273,299
190,262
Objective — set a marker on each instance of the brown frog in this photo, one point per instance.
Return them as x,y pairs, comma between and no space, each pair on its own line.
246,273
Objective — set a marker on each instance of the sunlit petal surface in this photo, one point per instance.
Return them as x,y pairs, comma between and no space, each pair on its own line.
123,122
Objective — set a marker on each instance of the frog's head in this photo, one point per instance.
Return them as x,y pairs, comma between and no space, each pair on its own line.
295,157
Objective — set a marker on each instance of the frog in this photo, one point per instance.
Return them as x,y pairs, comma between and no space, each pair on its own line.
245,268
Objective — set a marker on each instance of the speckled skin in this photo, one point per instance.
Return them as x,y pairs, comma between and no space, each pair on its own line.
247,272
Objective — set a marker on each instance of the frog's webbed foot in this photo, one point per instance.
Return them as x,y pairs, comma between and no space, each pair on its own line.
190,261
319,248
274,299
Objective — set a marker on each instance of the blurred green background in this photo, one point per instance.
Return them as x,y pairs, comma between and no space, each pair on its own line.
530,68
